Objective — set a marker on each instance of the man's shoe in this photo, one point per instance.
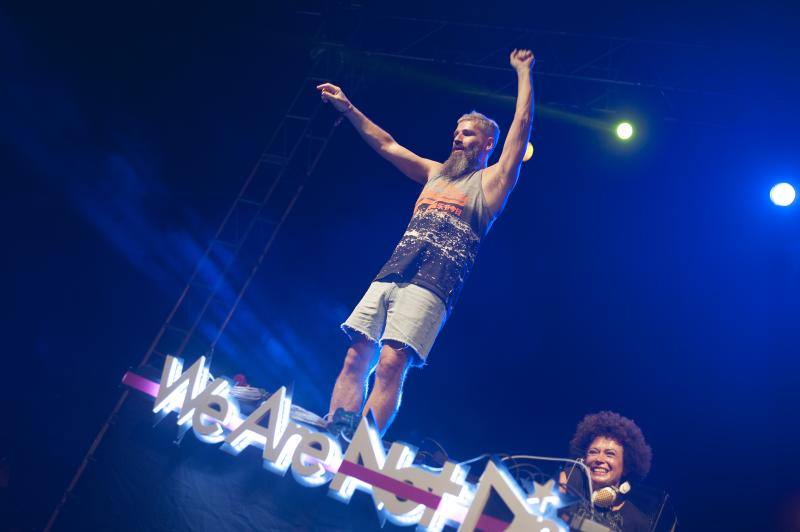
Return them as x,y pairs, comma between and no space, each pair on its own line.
344,424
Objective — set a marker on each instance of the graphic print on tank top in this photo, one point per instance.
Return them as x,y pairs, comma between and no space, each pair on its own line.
440,245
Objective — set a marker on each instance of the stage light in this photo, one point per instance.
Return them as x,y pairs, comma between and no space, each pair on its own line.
528,152
624,130
782,194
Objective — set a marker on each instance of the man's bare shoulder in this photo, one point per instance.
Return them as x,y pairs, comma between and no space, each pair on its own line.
497,185
491,174
434,169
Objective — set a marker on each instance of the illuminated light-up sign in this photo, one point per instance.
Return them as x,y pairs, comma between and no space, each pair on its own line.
403,493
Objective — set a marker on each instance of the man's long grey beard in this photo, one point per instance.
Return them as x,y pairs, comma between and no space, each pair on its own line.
459,163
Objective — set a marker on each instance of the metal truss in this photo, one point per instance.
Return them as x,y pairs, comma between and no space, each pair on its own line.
208,301
586,73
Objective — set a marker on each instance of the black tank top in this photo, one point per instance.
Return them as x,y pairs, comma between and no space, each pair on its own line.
439,246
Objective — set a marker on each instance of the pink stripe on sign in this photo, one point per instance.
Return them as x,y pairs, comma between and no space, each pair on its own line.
487,523
400,489
140,383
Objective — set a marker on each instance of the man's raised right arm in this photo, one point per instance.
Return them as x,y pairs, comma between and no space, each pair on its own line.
412,165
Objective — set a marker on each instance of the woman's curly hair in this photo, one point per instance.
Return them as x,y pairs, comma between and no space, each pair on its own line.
637,454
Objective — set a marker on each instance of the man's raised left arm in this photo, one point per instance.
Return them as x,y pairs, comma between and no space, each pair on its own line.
500,178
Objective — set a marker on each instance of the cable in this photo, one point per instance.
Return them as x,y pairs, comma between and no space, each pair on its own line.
439,445
551,459
484,455
566,460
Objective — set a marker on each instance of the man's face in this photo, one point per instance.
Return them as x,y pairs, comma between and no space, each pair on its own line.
469,151
604,458
469,138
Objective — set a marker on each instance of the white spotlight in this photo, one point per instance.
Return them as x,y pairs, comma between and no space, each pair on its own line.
782,194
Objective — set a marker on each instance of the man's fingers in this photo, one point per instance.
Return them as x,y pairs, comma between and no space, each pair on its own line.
329,88
330,96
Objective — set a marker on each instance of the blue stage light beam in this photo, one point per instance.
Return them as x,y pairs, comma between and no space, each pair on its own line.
782,194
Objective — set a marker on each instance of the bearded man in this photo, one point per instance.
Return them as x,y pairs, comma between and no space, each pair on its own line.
394,325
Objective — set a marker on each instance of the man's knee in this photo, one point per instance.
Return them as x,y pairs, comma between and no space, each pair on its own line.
394,360
359,358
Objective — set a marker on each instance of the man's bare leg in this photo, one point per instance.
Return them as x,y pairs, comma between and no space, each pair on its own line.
350,390
393,364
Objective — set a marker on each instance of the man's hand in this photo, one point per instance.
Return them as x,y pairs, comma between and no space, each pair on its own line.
522,60
333,94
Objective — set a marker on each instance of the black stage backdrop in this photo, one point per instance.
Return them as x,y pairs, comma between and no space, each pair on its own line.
142,480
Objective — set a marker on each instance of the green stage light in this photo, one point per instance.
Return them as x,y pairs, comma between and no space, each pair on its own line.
624,130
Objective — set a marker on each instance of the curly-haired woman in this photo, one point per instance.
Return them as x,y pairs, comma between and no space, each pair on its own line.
615,452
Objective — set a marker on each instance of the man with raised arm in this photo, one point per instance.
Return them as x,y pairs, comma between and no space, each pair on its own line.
396,322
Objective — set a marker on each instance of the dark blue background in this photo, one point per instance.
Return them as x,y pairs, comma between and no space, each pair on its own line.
654,279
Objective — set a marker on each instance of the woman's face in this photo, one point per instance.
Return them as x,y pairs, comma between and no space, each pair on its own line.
604,458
